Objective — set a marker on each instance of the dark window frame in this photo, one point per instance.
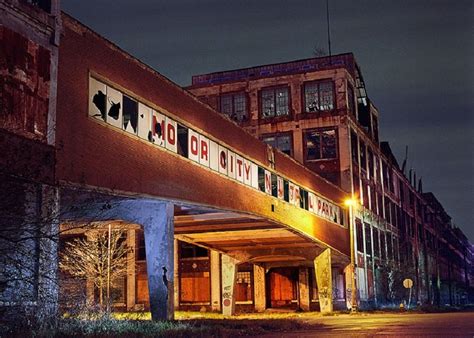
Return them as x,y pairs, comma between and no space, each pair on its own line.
277,135
320,130
233,94
318,83
274,116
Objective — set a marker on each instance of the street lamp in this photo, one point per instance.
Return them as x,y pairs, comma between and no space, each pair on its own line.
351,203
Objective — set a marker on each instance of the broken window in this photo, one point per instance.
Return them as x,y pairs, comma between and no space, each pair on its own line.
281,142
375,232
130,114
354,147
375,128
368,240
303,199
182,140
318,96
320,144
371,163
363,155
286,190
359,235
235,106
350,100
274,102
382,245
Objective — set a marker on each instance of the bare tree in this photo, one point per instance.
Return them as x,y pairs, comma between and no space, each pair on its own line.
87,258
319,51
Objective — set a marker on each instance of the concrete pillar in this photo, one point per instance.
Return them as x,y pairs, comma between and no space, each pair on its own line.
303,289
131,273
348,280
229,274
259,288
159,241
322,268
176,275
215,281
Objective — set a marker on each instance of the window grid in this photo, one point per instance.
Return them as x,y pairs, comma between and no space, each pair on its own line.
280,142
320,144
274,102
234,106
319,96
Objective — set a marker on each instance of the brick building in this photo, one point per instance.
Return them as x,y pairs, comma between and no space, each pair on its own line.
213,216
318,112
29,39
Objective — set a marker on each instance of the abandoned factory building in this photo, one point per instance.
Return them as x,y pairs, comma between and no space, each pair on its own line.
228,195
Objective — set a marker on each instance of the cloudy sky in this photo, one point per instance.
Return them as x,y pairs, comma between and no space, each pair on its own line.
414,55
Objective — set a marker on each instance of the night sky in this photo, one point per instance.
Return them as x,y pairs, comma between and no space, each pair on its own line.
414,56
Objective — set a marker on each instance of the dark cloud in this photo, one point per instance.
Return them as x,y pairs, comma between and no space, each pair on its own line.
415,57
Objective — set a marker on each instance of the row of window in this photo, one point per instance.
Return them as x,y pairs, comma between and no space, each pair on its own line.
318,143
117,109
318,96
384,244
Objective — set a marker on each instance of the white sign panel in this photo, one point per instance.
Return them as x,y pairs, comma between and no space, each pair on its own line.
171,135
193,145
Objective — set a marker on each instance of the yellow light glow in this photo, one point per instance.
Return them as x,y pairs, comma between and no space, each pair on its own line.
350,202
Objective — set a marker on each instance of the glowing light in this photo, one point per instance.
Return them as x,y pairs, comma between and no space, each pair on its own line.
350,202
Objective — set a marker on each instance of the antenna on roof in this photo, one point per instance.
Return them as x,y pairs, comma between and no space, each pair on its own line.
329,30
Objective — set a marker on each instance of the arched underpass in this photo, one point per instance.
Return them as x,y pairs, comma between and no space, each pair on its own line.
233,239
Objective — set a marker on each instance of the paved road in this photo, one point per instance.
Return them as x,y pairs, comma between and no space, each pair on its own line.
460,324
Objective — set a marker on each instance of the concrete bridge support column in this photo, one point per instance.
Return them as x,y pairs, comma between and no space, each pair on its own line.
348,281
229,274
215,281
303,289
156,218
259,287
176,274
322,268
159,247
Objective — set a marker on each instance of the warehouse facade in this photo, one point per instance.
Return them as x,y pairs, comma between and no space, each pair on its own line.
317,111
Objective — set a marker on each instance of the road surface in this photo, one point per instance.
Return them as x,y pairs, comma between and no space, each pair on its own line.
459,324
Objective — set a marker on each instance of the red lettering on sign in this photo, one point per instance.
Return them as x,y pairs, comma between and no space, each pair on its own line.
311,202
280,188
204,153
223,160
194,145
239,167
247,170
268,183
231,161
171,134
